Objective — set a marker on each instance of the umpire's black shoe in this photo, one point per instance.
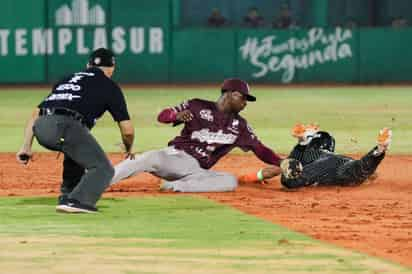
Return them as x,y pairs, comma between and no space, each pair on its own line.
63,199
74,206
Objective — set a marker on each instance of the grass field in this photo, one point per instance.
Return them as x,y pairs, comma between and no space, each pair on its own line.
352,115
177,234
184,234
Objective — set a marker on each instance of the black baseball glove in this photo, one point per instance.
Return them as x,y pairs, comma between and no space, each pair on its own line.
291,168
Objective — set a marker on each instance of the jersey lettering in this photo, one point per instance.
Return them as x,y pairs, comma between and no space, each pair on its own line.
201,152
211,134
234,127
204,135
206,114
211,148
85,73
62,96
76,78
68,87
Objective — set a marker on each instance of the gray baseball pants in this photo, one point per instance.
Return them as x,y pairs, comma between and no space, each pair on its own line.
181,170
62,133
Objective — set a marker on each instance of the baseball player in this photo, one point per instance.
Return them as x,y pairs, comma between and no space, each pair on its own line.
210,131
62,122
315,163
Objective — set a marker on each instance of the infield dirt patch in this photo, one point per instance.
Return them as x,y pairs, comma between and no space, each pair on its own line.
375,217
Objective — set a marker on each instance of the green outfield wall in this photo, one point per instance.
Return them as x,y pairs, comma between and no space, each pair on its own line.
39,42
49,38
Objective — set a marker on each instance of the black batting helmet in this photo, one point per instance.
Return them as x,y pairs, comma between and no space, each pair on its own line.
323,140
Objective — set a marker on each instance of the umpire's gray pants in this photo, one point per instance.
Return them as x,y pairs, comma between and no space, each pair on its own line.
61,133
179,168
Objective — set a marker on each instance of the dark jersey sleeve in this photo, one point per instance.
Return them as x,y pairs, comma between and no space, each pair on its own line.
357,171
117,105
267,155
186,105
305,154
247,140
319,171
41,105
324,171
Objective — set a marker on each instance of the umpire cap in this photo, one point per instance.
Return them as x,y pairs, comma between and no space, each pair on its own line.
102,58
234,84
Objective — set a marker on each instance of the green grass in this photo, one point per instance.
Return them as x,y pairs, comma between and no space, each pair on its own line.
169,234
352,114
141,218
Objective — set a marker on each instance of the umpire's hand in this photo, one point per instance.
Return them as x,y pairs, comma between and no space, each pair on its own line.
129,155
24,155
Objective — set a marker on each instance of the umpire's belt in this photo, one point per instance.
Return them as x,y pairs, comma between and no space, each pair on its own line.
64,112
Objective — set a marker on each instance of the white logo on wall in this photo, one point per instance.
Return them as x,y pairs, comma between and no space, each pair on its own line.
316,47
83,28
80,14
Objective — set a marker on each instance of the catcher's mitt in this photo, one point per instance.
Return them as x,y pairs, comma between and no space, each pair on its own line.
291,168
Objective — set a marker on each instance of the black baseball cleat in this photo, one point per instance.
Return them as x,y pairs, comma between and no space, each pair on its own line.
74,206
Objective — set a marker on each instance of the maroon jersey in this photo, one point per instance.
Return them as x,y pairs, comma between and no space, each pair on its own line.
211,134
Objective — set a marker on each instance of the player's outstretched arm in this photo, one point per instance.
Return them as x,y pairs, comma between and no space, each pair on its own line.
24,155
169,115
266,154
127,131
289,168
260,176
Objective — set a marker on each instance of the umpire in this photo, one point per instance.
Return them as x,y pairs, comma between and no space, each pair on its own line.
62,122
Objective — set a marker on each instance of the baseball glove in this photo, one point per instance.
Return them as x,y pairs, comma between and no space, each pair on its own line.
291,168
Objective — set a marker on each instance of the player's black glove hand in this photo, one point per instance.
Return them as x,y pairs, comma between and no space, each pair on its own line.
291,168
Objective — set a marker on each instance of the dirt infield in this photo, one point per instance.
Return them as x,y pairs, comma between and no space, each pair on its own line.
375,217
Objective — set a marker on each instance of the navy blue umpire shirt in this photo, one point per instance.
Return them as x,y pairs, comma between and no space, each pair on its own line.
89,93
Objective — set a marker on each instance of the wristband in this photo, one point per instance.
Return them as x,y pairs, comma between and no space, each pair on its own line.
260,175
172,115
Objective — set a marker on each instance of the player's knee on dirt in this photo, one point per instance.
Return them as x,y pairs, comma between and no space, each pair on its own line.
225,183
232,183
214,182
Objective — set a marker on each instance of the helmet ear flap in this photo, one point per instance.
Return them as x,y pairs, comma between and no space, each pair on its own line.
330,146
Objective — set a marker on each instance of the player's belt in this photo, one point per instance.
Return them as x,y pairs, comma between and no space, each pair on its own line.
64,112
